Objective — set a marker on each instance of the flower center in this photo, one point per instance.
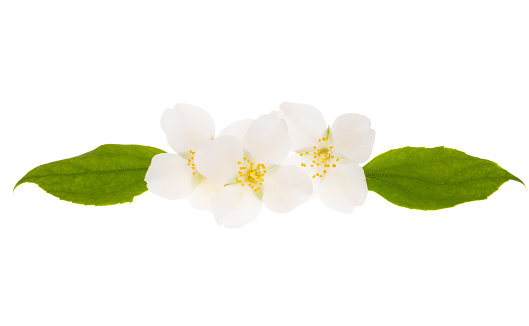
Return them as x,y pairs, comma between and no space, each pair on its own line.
251,174
324,154
320,158
191,162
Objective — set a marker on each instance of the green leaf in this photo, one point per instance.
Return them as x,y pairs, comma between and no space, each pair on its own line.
433,178
108,175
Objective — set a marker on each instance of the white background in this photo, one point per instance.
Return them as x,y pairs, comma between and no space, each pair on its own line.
76,75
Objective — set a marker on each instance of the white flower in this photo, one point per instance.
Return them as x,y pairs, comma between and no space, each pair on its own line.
245,159
174,176
331,154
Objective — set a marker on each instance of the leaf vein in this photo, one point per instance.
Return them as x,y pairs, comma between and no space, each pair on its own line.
84,173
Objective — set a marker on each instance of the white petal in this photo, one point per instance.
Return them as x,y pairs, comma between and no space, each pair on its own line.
217,159
305,124
170,177
186,126
285,188
344,187
237,129
235,206
293,159
352,137
296,161
201,197
267,140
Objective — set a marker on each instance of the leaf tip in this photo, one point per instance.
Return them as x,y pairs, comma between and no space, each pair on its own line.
21,181
520,181
515,178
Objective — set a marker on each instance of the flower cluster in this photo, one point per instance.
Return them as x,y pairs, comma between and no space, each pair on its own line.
248,163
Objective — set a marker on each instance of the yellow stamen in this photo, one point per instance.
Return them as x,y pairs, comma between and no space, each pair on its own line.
321,157
251,174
